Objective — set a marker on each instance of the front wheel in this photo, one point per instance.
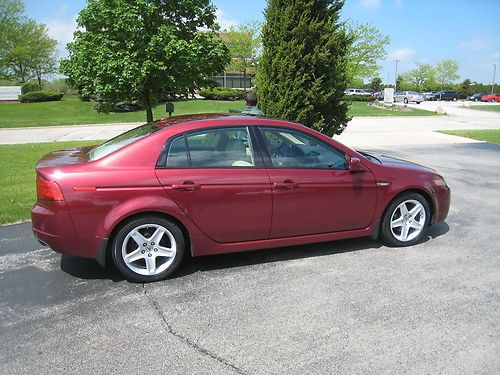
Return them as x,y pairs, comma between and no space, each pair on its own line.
148,249
406,220
405,100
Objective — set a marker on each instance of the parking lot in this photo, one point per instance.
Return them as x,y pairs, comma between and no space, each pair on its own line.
351,306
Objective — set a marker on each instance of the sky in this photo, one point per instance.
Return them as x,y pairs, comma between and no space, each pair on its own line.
425,31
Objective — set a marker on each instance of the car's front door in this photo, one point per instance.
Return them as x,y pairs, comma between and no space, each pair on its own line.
313,190
216,179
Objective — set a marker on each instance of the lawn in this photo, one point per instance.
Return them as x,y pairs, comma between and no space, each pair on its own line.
494,108
71,111
359,109
17,168
487,135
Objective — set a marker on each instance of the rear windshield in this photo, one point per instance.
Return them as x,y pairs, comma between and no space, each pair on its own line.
121,141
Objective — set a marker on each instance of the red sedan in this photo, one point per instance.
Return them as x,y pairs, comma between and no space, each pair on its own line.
491,98
212,184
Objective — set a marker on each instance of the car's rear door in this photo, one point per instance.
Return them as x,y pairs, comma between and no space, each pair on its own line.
216,178
313,191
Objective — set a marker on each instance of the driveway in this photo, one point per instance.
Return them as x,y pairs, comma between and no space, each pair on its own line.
350,306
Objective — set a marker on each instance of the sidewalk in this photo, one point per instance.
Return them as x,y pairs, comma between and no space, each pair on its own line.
360,132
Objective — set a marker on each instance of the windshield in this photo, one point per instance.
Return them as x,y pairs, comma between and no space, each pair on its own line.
121,141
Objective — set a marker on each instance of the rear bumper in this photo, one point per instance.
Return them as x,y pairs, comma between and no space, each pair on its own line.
52,226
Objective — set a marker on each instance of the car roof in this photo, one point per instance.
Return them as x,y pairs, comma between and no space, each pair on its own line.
216,117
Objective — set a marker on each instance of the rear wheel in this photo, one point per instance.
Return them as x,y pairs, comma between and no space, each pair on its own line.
405,100
148,249
406,220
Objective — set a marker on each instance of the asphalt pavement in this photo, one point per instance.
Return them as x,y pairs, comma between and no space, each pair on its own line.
349,307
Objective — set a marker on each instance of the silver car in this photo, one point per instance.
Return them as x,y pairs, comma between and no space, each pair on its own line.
408,96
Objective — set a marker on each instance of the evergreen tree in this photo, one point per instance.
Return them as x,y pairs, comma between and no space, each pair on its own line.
302,74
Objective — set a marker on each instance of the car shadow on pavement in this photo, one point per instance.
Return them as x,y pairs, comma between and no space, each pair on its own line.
90,269
248,258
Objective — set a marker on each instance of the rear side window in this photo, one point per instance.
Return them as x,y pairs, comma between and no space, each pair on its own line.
121,141
213,148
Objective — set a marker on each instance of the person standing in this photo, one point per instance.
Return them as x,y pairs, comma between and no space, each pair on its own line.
251,102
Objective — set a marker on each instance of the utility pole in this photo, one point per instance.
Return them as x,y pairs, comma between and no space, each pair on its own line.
396,76
493,84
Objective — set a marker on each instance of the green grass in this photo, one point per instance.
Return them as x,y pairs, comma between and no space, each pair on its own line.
487,135
17,168
359,109
72,111
494,108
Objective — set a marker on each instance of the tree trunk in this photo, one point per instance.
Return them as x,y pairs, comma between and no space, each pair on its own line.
149,109
39,82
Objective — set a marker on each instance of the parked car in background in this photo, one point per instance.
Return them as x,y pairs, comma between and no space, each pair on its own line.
213,183
379,95
476,97
430,95
491,98
408,96
355,92
368,91
446,95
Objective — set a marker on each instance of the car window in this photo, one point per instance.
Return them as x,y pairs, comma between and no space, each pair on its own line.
213,148
293,149
121,141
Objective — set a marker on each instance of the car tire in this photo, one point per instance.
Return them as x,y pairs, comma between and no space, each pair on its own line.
402,228
418,102
148,249
405,100
492,101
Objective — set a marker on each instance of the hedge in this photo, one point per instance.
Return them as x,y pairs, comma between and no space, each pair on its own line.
40,96
220,93
359,98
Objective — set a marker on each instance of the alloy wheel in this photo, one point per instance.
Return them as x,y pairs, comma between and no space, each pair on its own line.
408,220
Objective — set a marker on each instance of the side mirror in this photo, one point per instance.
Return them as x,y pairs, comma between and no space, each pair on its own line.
355,165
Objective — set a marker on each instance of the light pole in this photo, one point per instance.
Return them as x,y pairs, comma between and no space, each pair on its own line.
396,76
493,83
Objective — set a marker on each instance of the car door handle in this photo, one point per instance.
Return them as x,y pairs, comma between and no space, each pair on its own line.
288,185
188,186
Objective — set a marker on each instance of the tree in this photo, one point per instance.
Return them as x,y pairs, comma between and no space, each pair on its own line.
376,84
302,72
367,48
446,72
421,77
44,59
26,50
466,88
11,16
243,42
128,50
400,82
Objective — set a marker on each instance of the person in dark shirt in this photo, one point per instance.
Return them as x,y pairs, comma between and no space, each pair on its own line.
251,102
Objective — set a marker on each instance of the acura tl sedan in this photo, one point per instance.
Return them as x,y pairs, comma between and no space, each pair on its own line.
212,184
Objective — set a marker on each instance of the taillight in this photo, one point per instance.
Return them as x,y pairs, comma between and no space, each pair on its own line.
48,190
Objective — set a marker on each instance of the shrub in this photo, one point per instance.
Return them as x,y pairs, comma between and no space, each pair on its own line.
117,107
359,98
30,87
40,96
221,93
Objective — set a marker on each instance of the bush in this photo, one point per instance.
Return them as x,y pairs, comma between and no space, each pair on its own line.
359,98
40,96
30,87
117,107
221,93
